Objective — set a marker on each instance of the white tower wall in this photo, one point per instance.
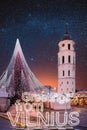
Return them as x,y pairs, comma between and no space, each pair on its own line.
66,67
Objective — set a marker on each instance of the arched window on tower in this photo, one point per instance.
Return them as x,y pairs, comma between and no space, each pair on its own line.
63,73
69,59
68,46
63,59
68,72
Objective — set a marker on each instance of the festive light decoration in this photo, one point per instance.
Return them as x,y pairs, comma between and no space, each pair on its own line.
18,77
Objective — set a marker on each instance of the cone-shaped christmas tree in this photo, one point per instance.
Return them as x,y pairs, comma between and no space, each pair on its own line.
18,77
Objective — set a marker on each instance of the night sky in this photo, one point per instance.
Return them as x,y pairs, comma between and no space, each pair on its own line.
40,25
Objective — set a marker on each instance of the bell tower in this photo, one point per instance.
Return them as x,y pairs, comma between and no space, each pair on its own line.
66,65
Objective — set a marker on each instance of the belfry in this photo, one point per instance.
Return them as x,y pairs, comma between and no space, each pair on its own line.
66,65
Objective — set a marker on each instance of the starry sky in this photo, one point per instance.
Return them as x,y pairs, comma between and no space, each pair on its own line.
40,25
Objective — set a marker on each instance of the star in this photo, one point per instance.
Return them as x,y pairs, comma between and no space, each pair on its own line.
32,59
